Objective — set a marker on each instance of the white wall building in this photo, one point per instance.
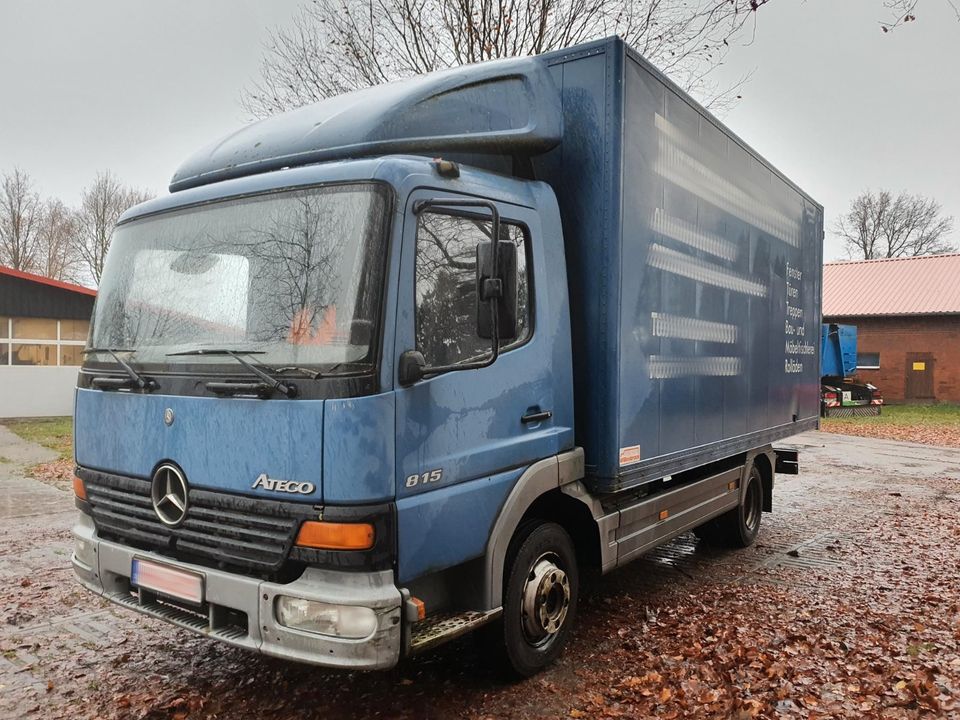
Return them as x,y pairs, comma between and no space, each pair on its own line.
43,328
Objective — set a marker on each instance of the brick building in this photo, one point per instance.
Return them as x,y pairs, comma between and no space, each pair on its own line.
907,313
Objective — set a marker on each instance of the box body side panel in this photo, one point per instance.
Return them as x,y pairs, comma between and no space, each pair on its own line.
720,302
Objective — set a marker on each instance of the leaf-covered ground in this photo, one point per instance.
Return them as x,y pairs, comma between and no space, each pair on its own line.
847,607
56,434
926,424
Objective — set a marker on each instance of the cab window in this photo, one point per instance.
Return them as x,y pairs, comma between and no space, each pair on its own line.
446,291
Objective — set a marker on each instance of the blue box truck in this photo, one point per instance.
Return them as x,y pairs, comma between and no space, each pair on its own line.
423,358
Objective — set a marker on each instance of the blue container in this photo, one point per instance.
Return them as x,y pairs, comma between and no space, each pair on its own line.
838,349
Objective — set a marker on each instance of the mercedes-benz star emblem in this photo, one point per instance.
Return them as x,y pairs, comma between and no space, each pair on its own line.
169,495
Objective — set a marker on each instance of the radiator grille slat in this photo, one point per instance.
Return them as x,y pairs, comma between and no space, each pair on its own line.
220,528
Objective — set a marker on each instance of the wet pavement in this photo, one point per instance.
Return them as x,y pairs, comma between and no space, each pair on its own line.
848,606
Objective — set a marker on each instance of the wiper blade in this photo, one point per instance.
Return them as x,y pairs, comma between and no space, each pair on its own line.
140,381
216,351
328,373
271,382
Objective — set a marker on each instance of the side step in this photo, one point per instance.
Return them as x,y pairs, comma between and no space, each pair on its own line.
443,627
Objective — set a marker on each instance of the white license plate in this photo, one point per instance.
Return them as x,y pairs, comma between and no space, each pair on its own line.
167,580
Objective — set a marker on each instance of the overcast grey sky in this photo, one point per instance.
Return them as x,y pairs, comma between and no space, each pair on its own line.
129,85
137,86
839,106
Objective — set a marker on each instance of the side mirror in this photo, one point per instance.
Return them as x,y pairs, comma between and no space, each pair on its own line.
498,292
412,367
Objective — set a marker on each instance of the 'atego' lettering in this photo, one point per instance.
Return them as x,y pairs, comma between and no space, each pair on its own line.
287,486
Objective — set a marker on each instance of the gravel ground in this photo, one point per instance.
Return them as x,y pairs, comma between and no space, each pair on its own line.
940,435
848,606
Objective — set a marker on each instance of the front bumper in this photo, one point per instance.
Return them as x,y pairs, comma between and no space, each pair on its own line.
240,610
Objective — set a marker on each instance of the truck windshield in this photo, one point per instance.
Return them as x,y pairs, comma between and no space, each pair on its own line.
294,276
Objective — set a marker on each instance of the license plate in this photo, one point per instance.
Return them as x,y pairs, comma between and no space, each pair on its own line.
167,580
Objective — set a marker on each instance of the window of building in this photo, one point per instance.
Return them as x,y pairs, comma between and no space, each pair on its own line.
868,361
42,341
74,329
71,355
34,329
22,354
446,294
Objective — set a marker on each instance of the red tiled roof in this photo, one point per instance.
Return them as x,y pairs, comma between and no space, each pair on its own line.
46,281
925,285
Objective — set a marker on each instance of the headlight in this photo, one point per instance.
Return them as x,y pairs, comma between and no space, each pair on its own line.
344,621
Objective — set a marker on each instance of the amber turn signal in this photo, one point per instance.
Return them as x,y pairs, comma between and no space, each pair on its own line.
335,536
421,607
78,489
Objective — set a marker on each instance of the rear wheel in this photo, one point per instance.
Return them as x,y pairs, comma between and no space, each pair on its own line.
740,526
540,601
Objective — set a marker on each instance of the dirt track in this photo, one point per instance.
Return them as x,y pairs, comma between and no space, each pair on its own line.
849,606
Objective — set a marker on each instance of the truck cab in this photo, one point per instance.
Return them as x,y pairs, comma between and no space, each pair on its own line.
324,278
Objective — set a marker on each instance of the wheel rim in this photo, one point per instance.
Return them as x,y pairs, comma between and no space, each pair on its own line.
546,600
752,507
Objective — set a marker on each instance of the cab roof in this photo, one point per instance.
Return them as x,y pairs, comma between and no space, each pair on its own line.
504,107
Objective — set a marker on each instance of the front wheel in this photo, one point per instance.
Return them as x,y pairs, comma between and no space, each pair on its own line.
540,601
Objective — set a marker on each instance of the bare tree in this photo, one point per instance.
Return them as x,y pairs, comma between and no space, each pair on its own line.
904,11
102,204
57,240
879,225
334,46
21,215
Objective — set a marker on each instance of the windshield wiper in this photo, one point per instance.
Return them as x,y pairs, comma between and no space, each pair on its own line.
270,381
138,380
327,373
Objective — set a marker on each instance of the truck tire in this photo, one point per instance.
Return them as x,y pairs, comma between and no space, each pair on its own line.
539,603
739,527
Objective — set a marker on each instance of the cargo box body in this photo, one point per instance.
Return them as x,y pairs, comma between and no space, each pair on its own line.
694,273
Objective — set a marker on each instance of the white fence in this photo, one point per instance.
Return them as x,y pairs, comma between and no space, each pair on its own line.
36,391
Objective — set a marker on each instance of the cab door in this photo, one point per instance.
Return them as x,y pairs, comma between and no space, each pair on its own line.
465,436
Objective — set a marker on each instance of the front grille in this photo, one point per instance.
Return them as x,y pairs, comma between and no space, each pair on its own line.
223,530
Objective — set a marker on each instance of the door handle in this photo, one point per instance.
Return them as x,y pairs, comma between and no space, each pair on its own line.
536,417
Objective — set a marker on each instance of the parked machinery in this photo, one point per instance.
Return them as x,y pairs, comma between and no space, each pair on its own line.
841,392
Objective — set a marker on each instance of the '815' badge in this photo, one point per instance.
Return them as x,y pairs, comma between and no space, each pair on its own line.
418,480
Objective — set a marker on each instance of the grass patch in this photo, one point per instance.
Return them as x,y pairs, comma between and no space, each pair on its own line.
54,433
904,416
